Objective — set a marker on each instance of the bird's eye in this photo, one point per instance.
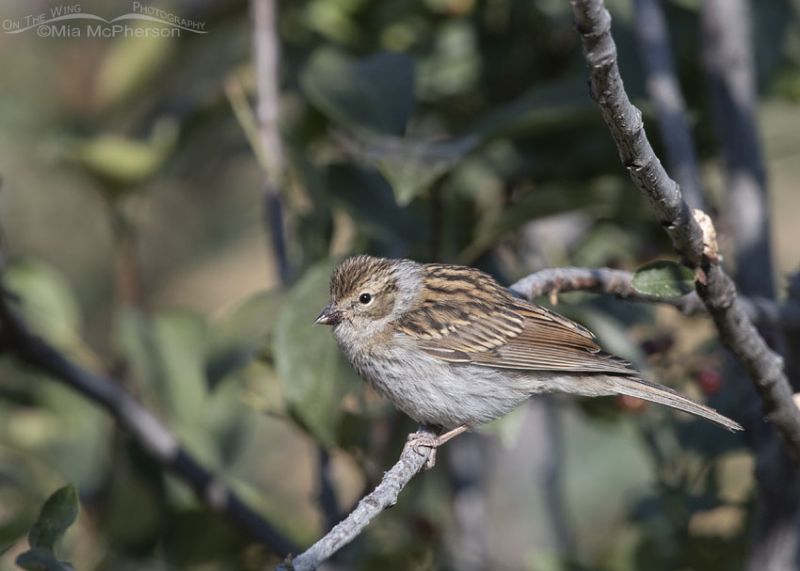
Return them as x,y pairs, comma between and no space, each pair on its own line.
365,298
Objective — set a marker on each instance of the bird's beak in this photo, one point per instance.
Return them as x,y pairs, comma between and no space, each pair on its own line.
329,316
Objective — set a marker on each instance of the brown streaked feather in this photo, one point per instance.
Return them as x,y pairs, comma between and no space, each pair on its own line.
464,316
353,272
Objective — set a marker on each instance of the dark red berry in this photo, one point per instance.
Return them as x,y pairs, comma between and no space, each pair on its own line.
657,344
631,404
710,381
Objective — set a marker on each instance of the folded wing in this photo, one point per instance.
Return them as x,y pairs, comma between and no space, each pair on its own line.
498,330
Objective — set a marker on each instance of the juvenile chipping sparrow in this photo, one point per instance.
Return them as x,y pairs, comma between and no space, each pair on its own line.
452,348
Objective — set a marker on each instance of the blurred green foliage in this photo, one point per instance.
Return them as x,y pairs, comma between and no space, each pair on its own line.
449,130
58,513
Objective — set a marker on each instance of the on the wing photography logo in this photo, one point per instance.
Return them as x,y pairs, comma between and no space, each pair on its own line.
70,21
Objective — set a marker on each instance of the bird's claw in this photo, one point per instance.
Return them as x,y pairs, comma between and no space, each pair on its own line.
417,440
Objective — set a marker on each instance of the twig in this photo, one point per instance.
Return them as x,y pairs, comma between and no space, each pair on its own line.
411,461
618,283
650,29
145,428
237,98
266,54
266,51
598,280
624,121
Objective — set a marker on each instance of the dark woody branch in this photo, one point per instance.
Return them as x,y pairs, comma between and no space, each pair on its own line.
147,430
270,151
715,288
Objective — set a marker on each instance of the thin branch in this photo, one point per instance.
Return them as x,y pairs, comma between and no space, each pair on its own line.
598,280
411,461
143,426
619,283
650,29
718,293
272,156
237,98
266,51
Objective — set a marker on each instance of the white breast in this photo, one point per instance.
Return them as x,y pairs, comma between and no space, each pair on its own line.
437,393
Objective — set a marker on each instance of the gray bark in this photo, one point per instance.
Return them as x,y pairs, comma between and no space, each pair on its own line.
714,287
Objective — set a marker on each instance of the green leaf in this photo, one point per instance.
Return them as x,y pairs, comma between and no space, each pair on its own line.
545,108
544,201
129,65
166,353
58,513
333,20
315,377
368,198
606,241
222,540
453,64
47,301
375,93
42,560
122,162
663,279
239,335
409,166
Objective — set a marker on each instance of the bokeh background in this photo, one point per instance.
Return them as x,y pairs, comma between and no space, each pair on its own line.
134,235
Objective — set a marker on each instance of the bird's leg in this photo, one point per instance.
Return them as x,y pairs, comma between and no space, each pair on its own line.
418,440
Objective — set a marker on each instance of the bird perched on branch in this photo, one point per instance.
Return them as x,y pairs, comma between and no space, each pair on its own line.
452,348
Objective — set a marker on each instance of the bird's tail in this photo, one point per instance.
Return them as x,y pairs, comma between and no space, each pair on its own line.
639,388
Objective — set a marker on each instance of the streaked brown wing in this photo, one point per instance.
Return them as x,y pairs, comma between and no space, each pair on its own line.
509,333
455,331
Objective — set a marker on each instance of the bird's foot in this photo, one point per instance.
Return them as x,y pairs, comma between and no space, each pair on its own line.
419,440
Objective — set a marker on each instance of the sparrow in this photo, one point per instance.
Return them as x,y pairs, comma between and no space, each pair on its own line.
453,349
